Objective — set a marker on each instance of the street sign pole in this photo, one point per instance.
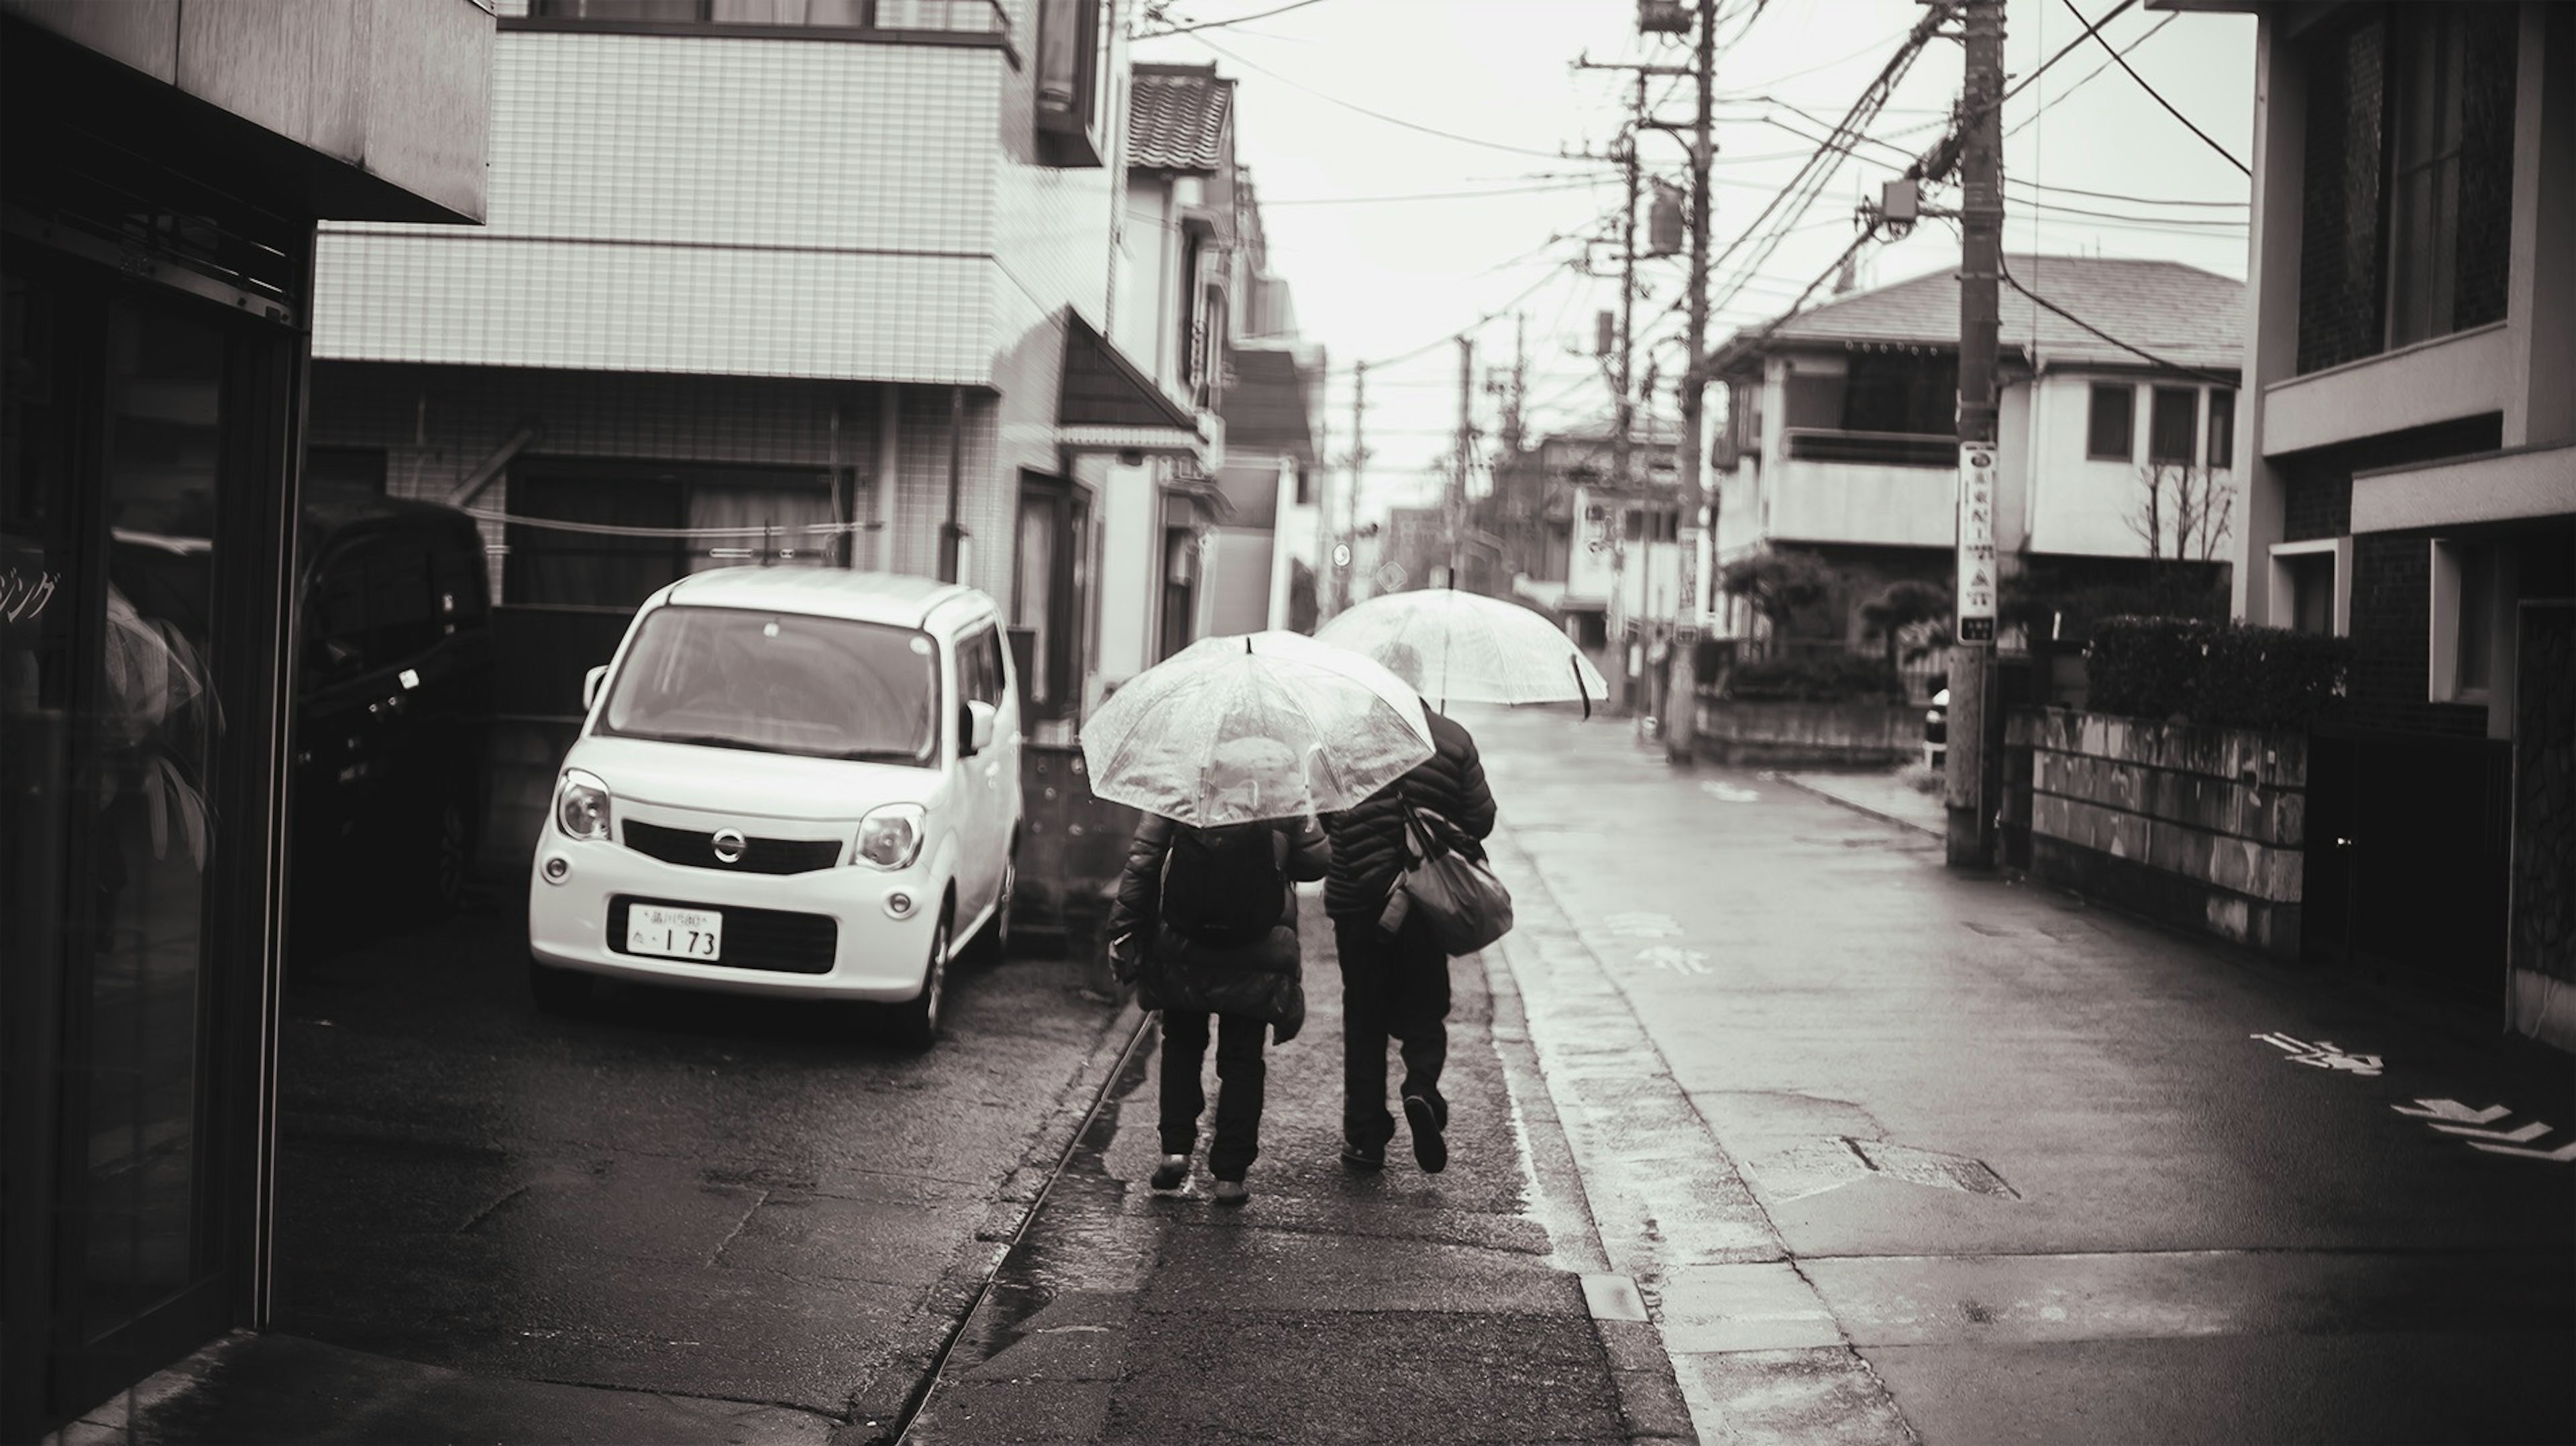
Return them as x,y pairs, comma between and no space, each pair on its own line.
1972,765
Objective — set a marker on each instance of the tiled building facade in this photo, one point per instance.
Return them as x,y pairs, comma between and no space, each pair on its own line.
2409,433
794,277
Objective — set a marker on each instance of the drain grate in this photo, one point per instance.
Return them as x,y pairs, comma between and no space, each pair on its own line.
1930,1167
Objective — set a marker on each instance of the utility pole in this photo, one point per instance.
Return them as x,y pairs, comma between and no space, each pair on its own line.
1351,501
1974,767
1457,509
1680,708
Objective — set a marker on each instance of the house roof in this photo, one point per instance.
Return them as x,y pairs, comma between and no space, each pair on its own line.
1265,404
2181,313
1176,118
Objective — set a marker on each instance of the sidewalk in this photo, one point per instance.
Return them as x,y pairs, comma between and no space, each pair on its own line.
1880,795
1336,1306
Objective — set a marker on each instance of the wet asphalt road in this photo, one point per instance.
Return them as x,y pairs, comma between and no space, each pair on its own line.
680,1193
1900,1154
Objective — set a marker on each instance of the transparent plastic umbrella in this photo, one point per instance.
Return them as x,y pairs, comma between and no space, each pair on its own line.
1269,725
1461,647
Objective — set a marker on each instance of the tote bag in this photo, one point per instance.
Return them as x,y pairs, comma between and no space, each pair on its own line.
1459,897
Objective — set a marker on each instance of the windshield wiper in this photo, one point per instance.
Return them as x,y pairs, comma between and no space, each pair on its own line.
872,755
701,740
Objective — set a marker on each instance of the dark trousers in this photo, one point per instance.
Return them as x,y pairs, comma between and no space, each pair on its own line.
1240,1072
1393,986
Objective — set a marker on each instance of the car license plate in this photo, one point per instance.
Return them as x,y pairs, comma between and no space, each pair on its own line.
674,933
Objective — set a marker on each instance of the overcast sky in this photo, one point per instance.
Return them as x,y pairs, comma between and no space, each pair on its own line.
1381,278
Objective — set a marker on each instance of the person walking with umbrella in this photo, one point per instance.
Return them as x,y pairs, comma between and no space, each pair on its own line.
1395,973
1448,645
1231,746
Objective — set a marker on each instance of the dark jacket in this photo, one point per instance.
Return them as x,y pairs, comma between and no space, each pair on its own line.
1173,972
1368,840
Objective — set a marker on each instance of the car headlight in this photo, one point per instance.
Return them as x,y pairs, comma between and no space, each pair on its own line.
581,805
890,837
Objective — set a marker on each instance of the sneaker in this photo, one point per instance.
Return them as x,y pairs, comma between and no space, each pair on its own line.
1232,1193
1173,1173
1430,1149
1364,1157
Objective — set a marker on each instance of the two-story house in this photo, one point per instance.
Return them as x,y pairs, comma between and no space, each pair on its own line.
164,168
2409,443
1600,554
797,282
1841,432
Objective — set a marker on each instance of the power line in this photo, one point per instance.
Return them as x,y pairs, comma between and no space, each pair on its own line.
1192,29
1869,49
2117,196
2091,28
1374,114
2041,301
1530,190
1447,337
2152,93
2024,123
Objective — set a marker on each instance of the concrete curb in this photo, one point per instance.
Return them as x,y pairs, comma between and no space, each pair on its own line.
1860,808
882,1407
1641,1370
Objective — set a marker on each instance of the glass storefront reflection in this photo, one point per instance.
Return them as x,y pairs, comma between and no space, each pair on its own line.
156,721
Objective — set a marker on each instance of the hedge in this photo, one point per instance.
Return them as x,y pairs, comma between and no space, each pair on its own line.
1822,676
2216,673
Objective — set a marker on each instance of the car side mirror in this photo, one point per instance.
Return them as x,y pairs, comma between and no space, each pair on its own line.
978,730
590,682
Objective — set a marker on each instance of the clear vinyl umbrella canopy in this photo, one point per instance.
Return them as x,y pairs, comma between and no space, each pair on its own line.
1461,647
1270,725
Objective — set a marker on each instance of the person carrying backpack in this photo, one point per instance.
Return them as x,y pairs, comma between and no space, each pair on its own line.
1205,924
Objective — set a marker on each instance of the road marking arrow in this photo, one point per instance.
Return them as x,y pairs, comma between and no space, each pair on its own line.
2454,1111
2562,1155
2523,1136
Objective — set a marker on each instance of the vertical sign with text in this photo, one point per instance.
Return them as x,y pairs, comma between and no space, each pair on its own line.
1976,590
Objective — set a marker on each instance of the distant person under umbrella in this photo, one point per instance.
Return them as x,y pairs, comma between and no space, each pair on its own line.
1395,982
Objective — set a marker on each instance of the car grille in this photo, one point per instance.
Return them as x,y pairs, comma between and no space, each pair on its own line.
696,849
767,939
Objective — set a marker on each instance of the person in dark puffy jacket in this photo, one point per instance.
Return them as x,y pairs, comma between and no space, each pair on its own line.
1247,986
1395,984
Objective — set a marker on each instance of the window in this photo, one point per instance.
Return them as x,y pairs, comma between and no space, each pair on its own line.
2108,430
2312,582
979,667
1072,81
2173,425
1180,590
2407,215
776,682
953,16
1050,592
739,517
2462,621
2424,179
1902,393
2222,428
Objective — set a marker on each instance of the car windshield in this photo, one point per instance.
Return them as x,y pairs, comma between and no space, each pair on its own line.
778,683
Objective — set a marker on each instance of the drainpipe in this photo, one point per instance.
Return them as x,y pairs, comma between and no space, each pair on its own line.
950,534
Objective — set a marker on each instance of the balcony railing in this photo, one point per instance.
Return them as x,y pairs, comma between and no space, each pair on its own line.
1875,449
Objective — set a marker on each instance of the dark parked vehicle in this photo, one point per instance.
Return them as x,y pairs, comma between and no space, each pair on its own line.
393,704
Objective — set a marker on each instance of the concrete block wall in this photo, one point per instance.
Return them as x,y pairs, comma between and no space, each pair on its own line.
2202,827
1808,735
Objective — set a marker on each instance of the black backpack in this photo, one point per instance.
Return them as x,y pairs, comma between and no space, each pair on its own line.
1225,887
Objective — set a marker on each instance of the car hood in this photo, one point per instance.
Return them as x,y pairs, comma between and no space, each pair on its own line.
746,783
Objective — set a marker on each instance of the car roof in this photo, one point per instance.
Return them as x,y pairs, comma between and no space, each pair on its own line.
896,599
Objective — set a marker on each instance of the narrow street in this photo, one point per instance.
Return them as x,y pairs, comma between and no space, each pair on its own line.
733,1204
1894,1151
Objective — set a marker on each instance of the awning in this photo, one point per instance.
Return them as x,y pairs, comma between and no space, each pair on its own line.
1108,404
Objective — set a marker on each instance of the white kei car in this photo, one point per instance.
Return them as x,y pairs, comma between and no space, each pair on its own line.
791,781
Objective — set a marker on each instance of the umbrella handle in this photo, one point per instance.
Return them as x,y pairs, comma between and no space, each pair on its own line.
1575,662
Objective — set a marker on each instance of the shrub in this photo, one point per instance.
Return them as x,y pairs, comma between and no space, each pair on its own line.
1820,676
2216,673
